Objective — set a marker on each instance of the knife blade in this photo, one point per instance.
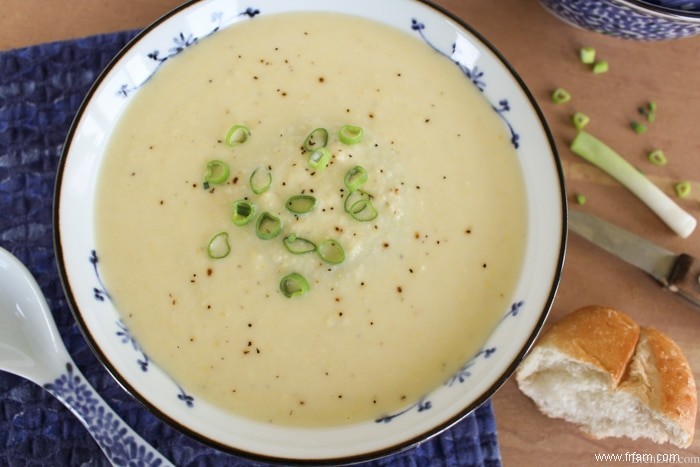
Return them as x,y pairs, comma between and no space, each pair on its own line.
678,273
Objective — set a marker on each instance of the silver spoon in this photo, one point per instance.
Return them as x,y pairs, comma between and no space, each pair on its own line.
31,347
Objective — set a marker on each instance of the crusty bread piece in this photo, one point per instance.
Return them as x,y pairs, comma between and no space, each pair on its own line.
597,368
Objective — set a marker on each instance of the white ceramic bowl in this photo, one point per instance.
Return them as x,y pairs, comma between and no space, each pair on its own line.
483,67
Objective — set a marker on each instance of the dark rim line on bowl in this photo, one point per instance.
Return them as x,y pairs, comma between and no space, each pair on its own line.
399,447
658,10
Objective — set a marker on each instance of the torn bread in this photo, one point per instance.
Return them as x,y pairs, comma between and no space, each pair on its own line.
597,368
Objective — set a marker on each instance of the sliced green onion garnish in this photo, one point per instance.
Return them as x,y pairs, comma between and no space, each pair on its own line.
363,210
657,157
587,55
581,199
300,204
331,251
243,211
355,178
682,189
599,154
319,159
260,182
317,139
350,134
560,96
355,196
217,172
649,111
267,226
580,120
600,67
297,245
294,285
638,128
218,246
237,134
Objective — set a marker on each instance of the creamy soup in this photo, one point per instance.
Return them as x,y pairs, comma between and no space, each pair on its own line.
421,285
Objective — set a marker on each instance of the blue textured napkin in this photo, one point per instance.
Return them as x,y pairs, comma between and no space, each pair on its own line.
41,88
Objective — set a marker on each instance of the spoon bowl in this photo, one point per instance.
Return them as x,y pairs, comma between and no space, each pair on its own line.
31,347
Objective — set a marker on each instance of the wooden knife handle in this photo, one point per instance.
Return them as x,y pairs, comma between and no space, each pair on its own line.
685,278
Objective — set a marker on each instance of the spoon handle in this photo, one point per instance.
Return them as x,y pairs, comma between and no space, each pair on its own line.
120,444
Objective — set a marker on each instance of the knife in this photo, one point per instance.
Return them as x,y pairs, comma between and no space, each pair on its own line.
679,273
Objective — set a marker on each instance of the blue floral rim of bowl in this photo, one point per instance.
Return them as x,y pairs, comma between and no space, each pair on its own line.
627,19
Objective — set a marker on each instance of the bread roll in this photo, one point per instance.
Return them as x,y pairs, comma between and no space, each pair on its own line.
597,368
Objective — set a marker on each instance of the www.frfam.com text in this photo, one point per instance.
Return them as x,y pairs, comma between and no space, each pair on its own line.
646,458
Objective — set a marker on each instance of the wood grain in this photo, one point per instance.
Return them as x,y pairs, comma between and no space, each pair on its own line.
544,52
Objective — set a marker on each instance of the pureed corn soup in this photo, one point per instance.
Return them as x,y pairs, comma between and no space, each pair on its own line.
407,271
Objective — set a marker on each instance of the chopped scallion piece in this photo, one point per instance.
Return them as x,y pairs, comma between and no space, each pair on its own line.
217,172
316,139
331,251
560,96
682,189
355,196
218,246
267,226
260,182
319,159
649,111
355,178
600,67
587,55
350,134
638,128
297,245
599,154
580,120
294,285
363,210
581,199
243,211
300,204
657,157
359,205
237,134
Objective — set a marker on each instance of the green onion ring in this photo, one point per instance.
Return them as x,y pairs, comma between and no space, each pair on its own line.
217,172
300,204
331,251
297,245
319,159
267,226
317,139
657,157
237,134
294,285
355,178
355,196
218,246
683,189
257,185
363,210
243,211
350,134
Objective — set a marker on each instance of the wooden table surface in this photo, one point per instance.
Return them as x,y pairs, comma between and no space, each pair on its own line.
544,52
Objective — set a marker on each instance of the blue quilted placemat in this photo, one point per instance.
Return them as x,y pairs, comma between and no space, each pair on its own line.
41,88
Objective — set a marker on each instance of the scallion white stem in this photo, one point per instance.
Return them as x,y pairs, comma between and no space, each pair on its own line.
601,155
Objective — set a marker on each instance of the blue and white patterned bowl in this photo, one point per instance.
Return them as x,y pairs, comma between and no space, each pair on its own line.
479,378
650,20
676,5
